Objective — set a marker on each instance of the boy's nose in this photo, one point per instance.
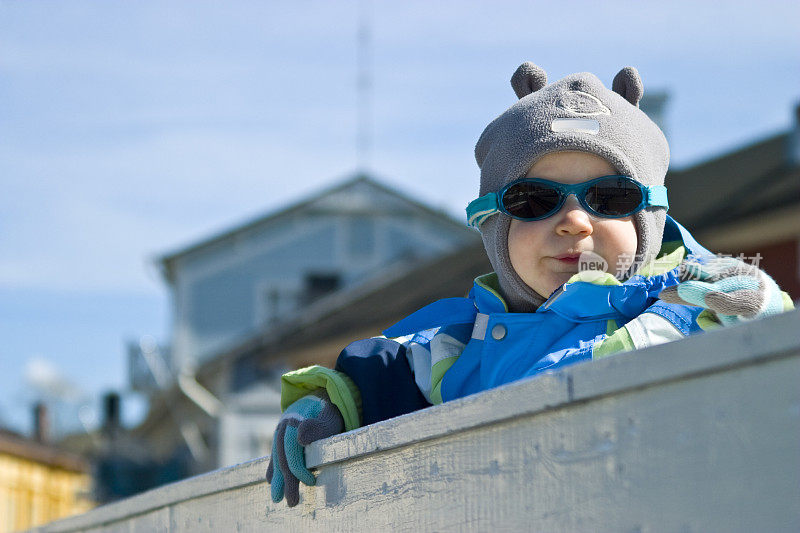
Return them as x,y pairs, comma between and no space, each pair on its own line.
573,219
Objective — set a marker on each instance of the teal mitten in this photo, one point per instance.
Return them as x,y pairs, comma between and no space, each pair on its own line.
310,418
733,290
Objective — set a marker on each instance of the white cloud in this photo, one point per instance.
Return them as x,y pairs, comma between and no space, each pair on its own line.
44,377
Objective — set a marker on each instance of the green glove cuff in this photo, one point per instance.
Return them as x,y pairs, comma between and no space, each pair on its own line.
342,391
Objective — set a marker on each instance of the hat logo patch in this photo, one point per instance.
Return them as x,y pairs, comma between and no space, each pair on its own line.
582,104
577,125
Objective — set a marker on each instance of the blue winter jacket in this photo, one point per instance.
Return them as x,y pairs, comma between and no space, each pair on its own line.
460,346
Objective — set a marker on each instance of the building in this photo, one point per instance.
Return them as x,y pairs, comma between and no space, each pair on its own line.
747,202
39,483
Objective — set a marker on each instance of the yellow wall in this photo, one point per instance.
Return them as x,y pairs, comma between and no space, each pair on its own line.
33,493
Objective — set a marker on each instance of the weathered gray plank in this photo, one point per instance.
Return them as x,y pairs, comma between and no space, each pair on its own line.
156,521
697,435
235,477
713,351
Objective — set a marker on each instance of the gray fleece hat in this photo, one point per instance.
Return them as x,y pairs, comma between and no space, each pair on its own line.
576,113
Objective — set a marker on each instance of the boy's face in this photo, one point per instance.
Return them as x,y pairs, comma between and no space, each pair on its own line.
544,253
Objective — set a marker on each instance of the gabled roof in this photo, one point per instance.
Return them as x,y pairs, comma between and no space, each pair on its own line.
14,444
742,183
167,260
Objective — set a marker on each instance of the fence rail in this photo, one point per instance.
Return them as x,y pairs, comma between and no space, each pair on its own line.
702,434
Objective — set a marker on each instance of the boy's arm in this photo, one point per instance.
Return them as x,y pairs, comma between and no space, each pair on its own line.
661,322
372,381
722,292
379,368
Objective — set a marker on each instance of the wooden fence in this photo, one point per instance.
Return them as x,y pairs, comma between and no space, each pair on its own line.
698,435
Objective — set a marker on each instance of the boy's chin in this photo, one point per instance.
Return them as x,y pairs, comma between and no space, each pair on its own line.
557,279
560,278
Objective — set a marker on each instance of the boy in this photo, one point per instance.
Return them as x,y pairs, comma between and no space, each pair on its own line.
572,173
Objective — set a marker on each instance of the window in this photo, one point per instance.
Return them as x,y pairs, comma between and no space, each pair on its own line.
319,284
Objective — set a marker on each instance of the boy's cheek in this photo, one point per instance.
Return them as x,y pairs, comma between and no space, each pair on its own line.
619,241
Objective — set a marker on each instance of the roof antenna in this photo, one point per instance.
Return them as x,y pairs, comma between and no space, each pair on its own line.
364,87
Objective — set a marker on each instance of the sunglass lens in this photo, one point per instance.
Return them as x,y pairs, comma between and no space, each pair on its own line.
614,197
530,200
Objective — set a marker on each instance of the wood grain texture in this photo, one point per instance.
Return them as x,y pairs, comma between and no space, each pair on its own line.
697,435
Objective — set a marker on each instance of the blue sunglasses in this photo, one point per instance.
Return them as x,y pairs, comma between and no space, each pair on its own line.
535,199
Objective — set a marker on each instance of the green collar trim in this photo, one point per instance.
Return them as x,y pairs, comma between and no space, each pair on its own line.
670,256
492,284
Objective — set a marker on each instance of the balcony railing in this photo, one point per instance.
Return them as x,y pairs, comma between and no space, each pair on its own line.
701,434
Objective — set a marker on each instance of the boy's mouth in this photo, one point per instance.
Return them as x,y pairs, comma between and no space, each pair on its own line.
568,258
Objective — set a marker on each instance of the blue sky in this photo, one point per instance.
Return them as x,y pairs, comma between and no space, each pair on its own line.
129,129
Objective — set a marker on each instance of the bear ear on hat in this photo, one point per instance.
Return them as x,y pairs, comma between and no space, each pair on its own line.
628,84
528,79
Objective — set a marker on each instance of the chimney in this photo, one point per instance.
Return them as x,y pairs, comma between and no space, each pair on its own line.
793,141
111,416
41,424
